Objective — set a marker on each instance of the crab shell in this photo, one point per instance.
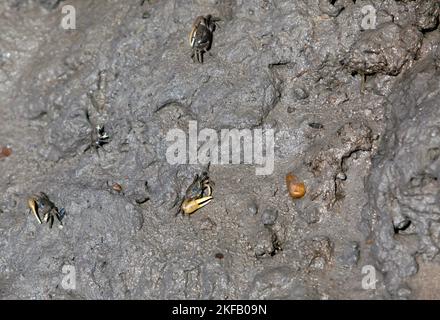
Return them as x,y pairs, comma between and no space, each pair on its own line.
198,186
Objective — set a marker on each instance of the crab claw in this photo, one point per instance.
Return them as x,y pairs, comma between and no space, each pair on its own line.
191,206
192,35
192,38
46,217
32,203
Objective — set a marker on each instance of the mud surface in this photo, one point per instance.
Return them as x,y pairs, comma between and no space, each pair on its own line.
355,114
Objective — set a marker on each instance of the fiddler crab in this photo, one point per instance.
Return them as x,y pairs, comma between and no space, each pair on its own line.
41,204
198,194
98,136
201,36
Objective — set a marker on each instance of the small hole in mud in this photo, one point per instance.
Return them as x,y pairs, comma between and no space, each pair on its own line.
316,125
402,226
219,256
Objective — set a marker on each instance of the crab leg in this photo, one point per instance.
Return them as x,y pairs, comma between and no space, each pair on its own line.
59,215
207,186
51,221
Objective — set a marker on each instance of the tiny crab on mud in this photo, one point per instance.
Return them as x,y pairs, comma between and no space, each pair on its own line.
201,36
198,194
98,136
41,204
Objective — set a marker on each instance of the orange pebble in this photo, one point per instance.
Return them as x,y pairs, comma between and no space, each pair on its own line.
5,152
296,189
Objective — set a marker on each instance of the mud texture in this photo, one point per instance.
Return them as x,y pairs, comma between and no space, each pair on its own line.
355,114
404,184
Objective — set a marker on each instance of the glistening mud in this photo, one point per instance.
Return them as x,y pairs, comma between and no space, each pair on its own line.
353,103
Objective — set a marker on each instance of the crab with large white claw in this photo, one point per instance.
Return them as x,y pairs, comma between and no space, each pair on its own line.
40,204
198,194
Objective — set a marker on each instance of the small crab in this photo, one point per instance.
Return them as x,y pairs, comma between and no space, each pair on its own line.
98,136
198,194
41,204
201,36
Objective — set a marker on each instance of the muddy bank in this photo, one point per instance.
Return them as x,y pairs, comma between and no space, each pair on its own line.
354,117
